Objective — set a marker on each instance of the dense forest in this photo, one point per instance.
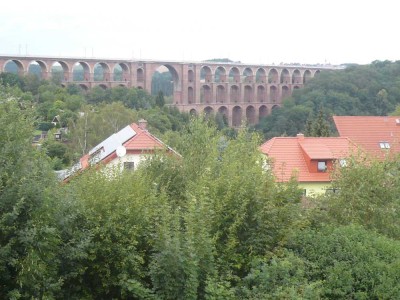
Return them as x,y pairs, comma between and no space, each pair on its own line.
209,224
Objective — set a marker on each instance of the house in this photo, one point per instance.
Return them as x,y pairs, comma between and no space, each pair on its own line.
125,149
308,159
378,136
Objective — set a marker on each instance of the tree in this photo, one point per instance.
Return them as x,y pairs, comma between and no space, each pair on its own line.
160,102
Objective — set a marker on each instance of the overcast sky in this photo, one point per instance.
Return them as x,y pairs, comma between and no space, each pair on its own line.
260,32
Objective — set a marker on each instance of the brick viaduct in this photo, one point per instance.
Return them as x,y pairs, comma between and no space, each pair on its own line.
238,91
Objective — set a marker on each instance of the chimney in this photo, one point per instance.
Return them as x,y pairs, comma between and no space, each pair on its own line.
300,136
142,124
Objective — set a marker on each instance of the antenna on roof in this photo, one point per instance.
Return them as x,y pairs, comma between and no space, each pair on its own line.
121,151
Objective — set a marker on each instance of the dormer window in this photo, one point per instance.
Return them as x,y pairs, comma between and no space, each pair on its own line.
321,166
384,145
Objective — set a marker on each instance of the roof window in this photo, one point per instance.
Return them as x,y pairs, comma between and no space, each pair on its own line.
384,145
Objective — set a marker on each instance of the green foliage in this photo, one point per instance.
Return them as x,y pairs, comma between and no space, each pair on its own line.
319,127
357,90
369,195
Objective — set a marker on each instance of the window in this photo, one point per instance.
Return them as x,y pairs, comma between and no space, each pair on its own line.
129,165
332,191
384,145
342,162
321,166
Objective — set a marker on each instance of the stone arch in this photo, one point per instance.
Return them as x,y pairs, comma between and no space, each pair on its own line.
220,74
317,72
190,95
234,75
221,94
81,71
262,112
84,87
175,77
236,116
306,76
276,106
261,93
247,75
122,85
261,76
101,72
140,75
103,86
190,76
273,76
121,72
296,87
251,115
296,77
285,92
223,111
193,112
61,69
205,94
248,93
208,111
285,76
235,94
14,66
205,74
273,93
41,72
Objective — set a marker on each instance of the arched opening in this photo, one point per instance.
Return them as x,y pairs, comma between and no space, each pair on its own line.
121,72
81,72
191,76
163,81
234,75
275,107
220,74
235,94
262,112
208,111
205,94
221,94
251,115
122,85
37,68
273,94
193,112
223,117
261,76
248,75
306,76
285,92
59,71
166,80
248,93
84,87
296,87
236,116
205,74
14,66
103,86
190,95
317,72
101,72
260,93
140,75
296,77
273,76
285,76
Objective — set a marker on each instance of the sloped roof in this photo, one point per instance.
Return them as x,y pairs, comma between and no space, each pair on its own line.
132,137
289,155
369,131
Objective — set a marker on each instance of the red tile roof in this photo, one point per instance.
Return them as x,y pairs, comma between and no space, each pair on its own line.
369,131
293,156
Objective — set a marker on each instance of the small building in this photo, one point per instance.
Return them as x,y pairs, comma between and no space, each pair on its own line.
125,149
308,159
377,136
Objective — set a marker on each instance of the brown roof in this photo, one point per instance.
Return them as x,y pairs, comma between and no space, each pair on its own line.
293,155
368,132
